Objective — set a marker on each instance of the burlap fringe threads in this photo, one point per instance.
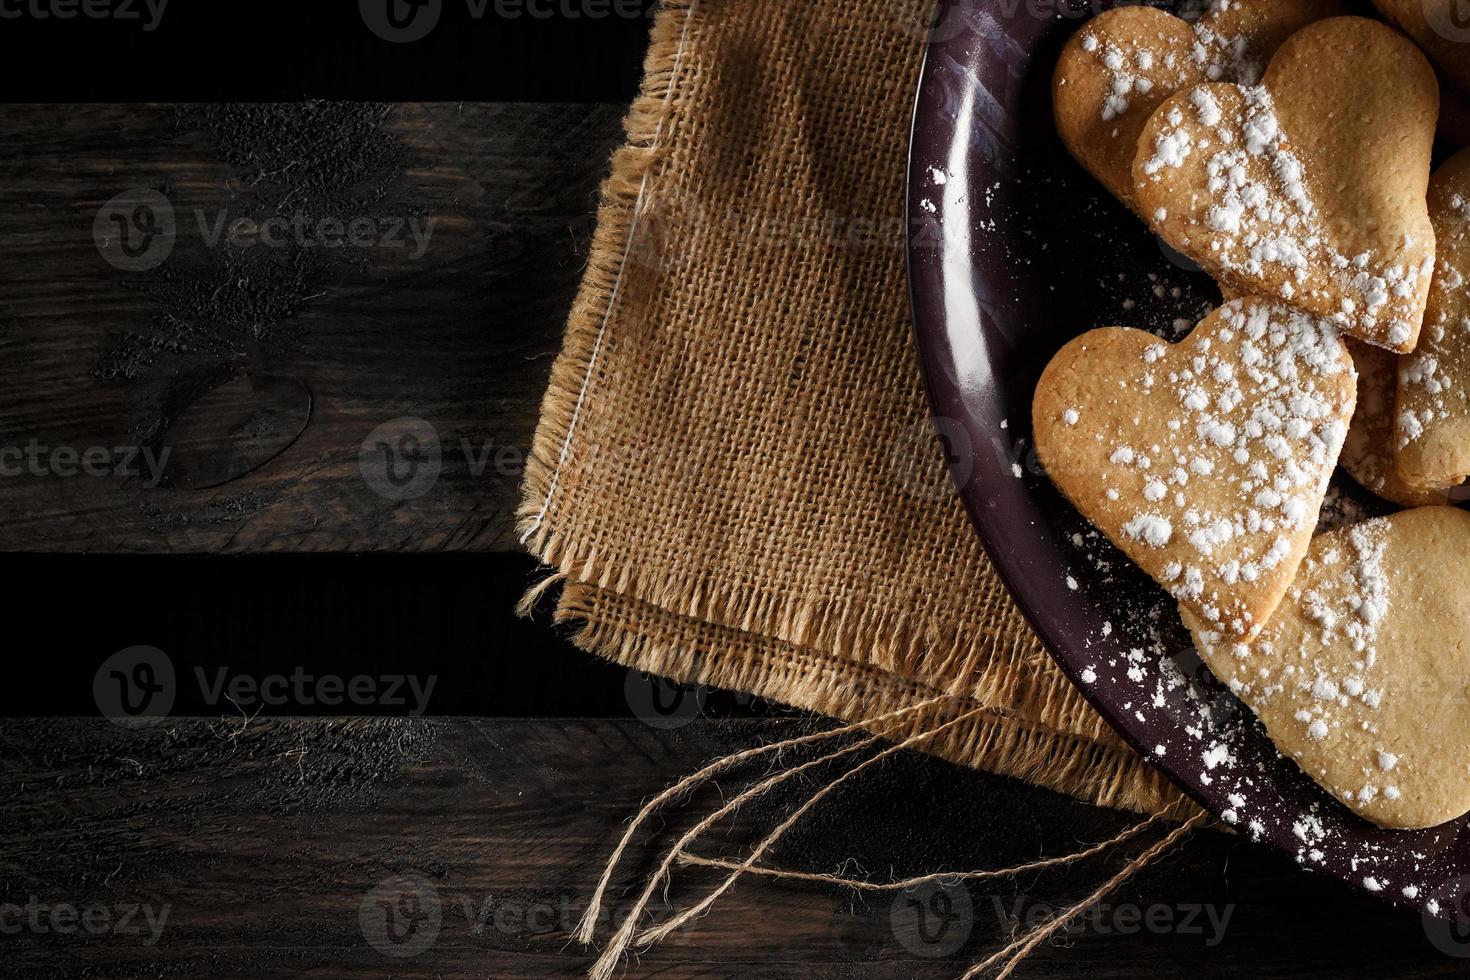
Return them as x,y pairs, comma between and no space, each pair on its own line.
823,653
632,935
945,717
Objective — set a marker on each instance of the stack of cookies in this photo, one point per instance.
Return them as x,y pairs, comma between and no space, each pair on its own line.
1287,149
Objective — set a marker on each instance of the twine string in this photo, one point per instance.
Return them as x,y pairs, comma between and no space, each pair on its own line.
659,932
1007,959
587,928
1011,956
944,877
608,962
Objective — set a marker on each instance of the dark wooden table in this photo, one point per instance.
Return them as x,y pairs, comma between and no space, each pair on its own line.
251,844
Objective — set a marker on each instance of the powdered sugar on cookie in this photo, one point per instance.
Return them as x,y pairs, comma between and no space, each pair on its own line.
1251,407
1124,62
1257,221
1206,462
1432,423
1143,63
1358,676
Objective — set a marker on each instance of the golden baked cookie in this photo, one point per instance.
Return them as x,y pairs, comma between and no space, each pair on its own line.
1206,461
1116,70
1368,454
1362,675
1433,418
1311,186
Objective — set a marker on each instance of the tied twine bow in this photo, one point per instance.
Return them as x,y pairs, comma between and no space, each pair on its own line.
631,934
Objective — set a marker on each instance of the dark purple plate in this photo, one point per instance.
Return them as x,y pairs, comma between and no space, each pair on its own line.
1016,250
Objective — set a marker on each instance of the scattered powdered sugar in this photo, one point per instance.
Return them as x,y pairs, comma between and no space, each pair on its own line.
1340,510
1209,108
1342,594
1170,150
1259,219
1205,719
1427,392
1149,63
1259,405
1217,755
1205,732
1156,531
1422,383
1368,597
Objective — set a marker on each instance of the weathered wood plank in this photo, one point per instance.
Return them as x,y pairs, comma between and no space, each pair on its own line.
261,363
272,845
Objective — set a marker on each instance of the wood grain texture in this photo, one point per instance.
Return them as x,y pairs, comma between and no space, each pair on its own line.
270,366
266,841
270,844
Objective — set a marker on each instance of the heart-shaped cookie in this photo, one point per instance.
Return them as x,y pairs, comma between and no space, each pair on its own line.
1368,453
1116,70
1362,675
1434,382
1206,462
1311,186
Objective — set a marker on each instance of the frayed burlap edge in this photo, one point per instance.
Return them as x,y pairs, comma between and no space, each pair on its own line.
1002,665
1036,728
1100,770
572,373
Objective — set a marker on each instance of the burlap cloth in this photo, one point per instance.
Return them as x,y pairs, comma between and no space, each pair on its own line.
725,477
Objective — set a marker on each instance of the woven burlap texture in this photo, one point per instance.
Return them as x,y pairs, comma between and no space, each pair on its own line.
723,476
